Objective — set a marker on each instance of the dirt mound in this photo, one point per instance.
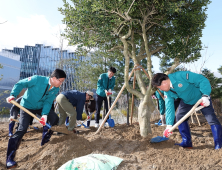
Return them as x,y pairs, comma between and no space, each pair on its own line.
122,141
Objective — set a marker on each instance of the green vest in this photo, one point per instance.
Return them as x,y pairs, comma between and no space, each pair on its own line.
36,96
187,86
104,83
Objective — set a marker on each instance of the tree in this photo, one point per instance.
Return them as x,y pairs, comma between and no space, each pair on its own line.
215,84
220,70
140,30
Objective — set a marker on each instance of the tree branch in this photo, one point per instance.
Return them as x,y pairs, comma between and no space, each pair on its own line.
130,7
116,47
176,63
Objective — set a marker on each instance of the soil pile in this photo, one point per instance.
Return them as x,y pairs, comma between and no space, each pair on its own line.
122,141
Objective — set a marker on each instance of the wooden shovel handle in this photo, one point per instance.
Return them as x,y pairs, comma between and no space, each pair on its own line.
194,108
24,109
27,111
15,120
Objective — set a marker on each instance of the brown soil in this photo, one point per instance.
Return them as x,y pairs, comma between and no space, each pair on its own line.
122,141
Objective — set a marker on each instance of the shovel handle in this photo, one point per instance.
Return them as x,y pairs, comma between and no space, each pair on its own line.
27,111
87,119
108,101
15,120
194,108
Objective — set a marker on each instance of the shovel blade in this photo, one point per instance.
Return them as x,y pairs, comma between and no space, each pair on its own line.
35,128
111,122
159,124
159,139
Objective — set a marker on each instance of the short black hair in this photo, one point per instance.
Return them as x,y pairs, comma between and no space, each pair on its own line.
112,69
58,73
158,78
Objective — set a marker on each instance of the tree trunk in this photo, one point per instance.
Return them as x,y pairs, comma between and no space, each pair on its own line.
145,110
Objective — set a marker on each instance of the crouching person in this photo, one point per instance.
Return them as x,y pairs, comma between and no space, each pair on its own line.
90,107
189,87
67,101
38,99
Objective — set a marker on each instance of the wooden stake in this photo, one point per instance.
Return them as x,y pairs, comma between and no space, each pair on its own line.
192,119
132,104
197,119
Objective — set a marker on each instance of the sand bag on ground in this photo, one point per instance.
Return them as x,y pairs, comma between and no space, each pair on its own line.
92,162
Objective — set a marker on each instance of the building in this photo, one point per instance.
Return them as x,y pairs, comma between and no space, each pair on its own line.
9,74
42,60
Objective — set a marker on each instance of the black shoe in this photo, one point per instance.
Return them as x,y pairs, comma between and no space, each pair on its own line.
46,135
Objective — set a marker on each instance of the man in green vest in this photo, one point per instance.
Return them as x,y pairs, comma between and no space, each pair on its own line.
189,87
38,99
105,85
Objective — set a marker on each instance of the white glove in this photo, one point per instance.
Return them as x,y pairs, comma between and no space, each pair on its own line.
8,99
43,120
154,97
205,100
11,117
166,132
108,92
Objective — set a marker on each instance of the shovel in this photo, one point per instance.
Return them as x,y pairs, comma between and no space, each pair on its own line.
159,123
87,119
110,121
194,108
55,128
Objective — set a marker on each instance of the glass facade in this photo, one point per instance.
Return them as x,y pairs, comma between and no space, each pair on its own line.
42,60
10,73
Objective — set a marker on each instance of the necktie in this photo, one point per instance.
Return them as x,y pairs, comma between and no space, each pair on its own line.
50,87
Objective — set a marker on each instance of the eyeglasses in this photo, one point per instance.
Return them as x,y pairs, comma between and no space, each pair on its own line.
60,81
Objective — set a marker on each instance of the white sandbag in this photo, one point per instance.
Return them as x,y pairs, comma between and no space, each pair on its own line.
92,162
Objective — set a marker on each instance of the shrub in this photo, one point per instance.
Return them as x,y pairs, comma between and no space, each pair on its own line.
124,112
4,110
84,116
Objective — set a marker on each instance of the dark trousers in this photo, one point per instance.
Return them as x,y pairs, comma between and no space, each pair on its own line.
25,119
176,103
208,112
99,102
14,111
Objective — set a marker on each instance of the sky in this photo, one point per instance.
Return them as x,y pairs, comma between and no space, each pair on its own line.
31,22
